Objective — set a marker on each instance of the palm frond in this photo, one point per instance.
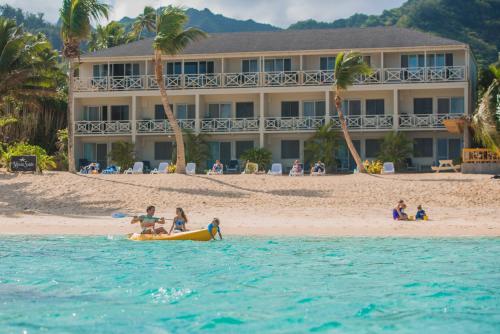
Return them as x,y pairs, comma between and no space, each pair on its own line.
485,120
349,65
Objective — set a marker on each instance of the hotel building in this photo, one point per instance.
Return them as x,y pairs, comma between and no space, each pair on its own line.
272,90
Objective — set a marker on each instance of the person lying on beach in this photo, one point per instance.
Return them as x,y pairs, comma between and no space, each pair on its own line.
214,224
318,167
398,212
179,222
420,215
148,222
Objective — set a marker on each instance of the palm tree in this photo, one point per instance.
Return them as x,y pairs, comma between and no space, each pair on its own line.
145,21
486,119
348,66
170,40
107,36
76,17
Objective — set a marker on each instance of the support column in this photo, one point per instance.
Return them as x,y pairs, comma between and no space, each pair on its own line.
467,140
222,78
327,106
382,65
197,113
261,120
146,75
133,118
395,116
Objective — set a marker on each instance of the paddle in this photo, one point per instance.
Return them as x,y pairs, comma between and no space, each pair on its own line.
125,215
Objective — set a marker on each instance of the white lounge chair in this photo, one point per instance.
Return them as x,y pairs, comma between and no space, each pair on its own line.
162,168
137,169
276,169
388,168
191,168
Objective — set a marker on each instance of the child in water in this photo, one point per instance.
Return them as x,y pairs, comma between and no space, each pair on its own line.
214,224
420,213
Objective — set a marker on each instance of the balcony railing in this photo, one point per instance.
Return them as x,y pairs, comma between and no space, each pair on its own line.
293,123
103,127
230,125
365,122
479,155
425,121
268,79
163,126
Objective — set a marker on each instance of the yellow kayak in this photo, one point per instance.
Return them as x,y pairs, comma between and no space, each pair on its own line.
196,235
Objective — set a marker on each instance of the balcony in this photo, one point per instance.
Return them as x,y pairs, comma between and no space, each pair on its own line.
377,122
293,123
163,126
268,79
230,125
425,121
102,127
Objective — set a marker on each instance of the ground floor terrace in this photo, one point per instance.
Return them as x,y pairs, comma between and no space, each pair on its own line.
428,148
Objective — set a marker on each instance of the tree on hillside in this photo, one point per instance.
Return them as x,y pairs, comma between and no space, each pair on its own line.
76,17
348,66
108,36
170,40
145,21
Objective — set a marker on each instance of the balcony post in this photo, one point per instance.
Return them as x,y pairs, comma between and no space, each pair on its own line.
197,120
382,65
107,78
146,76
222,73
395,117
327,106
261,120
133,118
467,141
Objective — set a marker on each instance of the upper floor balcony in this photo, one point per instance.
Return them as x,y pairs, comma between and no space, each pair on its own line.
267,79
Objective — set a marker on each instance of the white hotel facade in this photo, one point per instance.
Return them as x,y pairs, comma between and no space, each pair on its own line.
272,90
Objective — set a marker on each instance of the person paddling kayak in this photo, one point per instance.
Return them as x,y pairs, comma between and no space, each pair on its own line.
148,222
214,224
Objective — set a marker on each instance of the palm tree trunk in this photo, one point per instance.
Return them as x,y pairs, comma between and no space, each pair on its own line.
181,155
347,136
71,138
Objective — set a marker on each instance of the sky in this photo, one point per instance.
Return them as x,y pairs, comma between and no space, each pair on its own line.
280,13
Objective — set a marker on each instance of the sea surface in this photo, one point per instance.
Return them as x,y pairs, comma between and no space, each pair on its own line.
249,285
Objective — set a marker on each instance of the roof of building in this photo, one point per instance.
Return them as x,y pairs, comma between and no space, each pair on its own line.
291,40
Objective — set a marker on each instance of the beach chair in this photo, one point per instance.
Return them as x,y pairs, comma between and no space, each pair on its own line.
110,170
162,168
137,169
276,169
191,168
388,168
251,168
233,167
299,172
445,165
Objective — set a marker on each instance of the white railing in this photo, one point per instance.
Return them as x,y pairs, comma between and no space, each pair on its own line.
293,123
425,121
229,125
163,126
268,79
102,127
365,122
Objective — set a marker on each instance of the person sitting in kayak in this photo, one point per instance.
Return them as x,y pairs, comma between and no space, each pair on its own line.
179,222
214,224
148,222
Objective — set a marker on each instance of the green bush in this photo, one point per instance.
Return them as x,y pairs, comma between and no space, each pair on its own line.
44,161
396,148
61,156
322,146
260,156
122,154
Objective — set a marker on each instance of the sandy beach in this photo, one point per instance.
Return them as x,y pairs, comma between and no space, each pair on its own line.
336,205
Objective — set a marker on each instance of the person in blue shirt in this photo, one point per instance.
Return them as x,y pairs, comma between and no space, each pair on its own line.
420,213
214,224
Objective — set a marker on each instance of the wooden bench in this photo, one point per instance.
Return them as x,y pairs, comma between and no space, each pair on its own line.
445,165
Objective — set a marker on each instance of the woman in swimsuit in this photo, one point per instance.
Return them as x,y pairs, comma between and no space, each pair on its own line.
179,222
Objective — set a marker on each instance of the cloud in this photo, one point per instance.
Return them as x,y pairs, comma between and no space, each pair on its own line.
277,12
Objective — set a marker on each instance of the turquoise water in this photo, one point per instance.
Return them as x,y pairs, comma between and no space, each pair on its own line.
249,285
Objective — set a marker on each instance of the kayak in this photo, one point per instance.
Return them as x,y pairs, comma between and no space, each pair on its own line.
196,235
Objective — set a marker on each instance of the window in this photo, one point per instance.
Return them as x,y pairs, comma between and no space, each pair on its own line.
423,148
129,69
119,113
289,109
278,65
96,153
198,67
244,110
290,149
352,107
174,68
249,65
327,63
219,110
314,108
457,105
422,106
412,61
449,148
439,59
367,60
160,111
186,111
100,70
443,106
375,107
372,147
164,150
242,147
95,113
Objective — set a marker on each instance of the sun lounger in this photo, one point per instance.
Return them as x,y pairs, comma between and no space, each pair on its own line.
276,169
162,168
111,170
191,168
388,168
445,165
137,169
233,167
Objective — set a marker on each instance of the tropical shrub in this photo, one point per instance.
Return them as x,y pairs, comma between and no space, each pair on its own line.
260,156
373,167
396,148
44,161
197,149
122,154
61,156
322,146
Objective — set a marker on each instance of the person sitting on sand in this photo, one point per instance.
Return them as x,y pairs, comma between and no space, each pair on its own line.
148,222
420,215
179,222
398,212
218,167
318,167
214,224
